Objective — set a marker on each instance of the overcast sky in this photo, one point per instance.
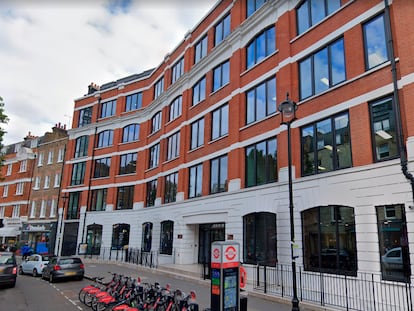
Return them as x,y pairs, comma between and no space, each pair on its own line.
50,52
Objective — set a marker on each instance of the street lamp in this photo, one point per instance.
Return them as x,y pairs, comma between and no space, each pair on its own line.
288,111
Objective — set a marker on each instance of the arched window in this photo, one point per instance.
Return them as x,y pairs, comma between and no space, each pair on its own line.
146,237
259,231
329,240
120,235
167,235
130,133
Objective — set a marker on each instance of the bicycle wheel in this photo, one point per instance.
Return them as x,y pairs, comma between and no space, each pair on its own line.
81,295
88,300
100,306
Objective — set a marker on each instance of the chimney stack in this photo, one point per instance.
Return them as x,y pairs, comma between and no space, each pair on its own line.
92,88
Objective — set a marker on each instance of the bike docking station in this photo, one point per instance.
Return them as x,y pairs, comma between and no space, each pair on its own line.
225,277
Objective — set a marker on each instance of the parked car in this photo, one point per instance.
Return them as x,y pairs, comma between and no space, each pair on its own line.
8,269
34,264
393,259
63,268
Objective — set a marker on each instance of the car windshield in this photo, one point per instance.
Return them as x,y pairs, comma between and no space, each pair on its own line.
6,259
46,257
68,261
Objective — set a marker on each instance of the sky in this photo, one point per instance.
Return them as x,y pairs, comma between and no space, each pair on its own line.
51,50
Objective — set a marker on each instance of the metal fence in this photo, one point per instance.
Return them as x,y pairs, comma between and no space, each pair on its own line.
364,292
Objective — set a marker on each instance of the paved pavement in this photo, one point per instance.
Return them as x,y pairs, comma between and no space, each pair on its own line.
256,301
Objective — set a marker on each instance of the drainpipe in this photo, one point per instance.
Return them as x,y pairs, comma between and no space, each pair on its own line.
396,101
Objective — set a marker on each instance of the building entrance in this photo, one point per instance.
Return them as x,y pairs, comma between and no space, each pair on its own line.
208,234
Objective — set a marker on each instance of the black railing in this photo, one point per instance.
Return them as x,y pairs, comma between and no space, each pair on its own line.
366,291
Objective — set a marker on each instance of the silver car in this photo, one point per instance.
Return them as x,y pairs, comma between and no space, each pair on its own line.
64,268
34,264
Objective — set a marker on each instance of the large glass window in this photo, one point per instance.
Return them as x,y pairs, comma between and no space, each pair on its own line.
218,174
128,163
221,75
375,40
200,49
108,109
156,122
261,101
81,146
170,187
151,192
130,133
73,205
199,91
167,236
133,101
196,181
101,167
261,46
259,239
384,135
154,158
177,70
393,243
146,243
159,87
98,202
329,239
322,70
311,12
173,146
197,134
176,108
78,173
253,6
125,197
222,29
261,163
85,116
105,138
120,236
326,145
220,123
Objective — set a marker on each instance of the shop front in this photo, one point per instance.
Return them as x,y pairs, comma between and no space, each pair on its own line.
40,236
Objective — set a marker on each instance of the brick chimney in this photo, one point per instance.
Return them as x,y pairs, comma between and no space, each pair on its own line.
92,88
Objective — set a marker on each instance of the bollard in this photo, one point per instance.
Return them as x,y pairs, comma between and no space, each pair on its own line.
243,303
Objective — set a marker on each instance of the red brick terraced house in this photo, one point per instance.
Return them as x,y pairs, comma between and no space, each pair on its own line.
194,151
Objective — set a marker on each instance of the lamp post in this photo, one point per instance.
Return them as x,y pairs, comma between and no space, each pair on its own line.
288,111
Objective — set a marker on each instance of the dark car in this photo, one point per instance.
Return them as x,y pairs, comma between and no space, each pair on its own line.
63,268
8,269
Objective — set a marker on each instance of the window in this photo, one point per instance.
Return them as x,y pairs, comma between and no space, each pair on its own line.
146,242
73,205
218,175
105,138
261,163
133,102
108,109
40,160
220,119
221,75
177,70
52,209
47,182
81,146
326,145
170,188
253,6
78,173
222,29
154,156
19,188
33,210
261,101
322,70
16,211
151,192
158,87
167,237
200,49
125,198
384,135
5,191
393,243
199,91
99,199
173,143
329,239
50,157
102,167
2,211
311,12
197,134
120,236
259,237
23,166
37,183
43,209
57,180
128,163
130,133
375,42
196,181
9,169
261,46
61,154
176,108
156,122
85,116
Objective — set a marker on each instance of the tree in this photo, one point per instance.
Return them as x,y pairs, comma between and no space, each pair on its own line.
4,119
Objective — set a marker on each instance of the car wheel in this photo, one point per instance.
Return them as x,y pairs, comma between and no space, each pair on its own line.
20,270
34,272
51,278
13,284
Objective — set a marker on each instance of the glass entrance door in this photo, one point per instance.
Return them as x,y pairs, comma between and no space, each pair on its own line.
209,233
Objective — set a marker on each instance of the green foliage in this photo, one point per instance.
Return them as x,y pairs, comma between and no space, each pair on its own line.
3,120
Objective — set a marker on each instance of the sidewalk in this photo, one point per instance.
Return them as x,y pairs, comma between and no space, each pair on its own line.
187,277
